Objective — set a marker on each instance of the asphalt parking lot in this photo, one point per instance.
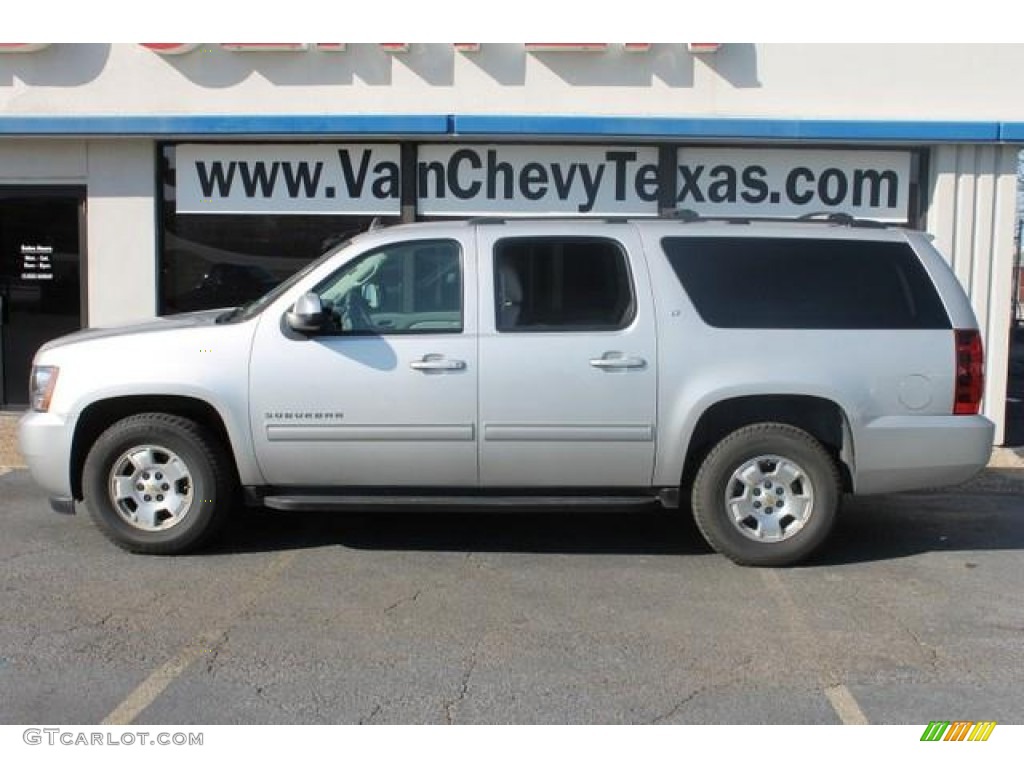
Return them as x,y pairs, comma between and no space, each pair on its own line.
912,614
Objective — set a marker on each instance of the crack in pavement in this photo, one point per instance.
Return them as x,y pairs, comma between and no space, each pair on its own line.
931,653
26,553
932,656
469,560
736,673
206,642
214,651
829,675
680,704
368,719
450,704
411,599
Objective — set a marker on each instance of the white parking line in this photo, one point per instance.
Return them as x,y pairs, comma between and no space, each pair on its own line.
839,696
845,705
146,693
148,690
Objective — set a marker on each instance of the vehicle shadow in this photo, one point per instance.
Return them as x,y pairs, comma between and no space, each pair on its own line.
555,532
985,515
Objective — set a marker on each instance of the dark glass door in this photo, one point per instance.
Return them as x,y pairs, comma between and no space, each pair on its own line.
41,249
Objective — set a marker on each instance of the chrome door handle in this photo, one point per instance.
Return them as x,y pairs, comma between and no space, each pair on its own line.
430,363
618,363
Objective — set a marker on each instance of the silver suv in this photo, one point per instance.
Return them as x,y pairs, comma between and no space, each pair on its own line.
752,372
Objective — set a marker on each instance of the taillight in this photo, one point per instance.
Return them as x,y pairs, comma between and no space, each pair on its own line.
970,376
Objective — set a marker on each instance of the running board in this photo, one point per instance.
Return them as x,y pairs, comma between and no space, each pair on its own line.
459,503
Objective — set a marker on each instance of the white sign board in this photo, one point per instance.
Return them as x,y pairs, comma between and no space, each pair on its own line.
288,178
793,182
524,180
514,180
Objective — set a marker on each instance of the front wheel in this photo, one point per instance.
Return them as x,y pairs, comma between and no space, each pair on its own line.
766,495
158,483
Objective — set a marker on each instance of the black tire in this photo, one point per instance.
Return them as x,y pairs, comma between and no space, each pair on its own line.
197,487
796,502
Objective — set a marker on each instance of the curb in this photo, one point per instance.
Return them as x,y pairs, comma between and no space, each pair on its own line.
10,459
1006,458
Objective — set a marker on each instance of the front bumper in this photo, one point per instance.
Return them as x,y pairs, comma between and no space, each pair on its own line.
905,453
44,440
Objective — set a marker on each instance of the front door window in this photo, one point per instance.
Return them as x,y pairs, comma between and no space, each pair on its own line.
411,287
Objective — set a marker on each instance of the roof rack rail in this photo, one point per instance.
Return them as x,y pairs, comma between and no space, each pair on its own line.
625,219
842,219
683,214
688,215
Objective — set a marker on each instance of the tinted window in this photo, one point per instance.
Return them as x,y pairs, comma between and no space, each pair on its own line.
558,284
224,260
739,282
412,287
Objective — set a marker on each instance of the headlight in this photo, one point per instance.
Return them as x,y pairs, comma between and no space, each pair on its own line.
40,386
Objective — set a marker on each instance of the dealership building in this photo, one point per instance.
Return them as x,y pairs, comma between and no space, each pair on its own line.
139,180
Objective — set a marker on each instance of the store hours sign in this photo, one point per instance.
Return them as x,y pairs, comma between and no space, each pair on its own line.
534,180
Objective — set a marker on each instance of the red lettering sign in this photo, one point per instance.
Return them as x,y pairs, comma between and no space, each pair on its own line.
170,49
565,47
176,49
21,47
703,47
263,47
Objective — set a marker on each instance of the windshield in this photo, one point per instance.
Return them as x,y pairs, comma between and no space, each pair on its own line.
253,308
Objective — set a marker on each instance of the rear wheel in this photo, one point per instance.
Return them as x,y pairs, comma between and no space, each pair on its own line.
158,483
767,494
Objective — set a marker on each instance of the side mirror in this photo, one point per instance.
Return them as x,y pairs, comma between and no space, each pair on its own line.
307,316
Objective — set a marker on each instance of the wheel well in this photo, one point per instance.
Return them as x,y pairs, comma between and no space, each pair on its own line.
96,418
821,418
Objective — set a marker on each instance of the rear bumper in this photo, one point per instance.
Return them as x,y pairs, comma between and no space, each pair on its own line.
905,453
44,440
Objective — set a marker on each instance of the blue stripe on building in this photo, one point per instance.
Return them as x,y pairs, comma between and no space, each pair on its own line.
516,126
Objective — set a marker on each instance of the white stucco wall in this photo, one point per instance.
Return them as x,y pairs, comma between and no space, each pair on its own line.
971,195
121,231
119,178
857,81
42,161
971,214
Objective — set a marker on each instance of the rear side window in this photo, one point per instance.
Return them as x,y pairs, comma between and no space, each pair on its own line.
740,282
561,284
